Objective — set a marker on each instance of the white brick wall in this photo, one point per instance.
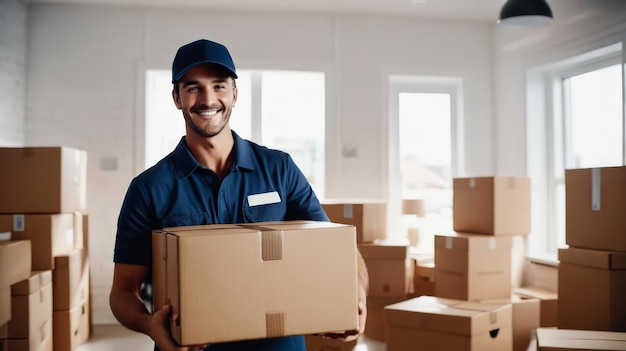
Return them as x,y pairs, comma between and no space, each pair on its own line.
13,23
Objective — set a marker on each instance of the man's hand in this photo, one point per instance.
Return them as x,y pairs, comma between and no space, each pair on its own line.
160,332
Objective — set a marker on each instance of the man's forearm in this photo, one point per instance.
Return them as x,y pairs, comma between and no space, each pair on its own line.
362,270
130,311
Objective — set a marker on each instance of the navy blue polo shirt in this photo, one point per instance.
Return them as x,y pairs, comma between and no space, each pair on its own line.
261,185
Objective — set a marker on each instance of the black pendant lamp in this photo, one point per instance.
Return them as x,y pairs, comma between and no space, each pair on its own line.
525,13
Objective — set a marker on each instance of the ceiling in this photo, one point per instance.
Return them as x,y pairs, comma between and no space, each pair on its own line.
481,10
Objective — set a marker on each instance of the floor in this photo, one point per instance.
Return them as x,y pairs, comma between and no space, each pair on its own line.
115,337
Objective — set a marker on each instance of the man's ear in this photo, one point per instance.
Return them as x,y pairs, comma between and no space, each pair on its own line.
176,99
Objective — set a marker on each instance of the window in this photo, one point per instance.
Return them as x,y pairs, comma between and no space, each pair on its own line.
284,110
584,127
424,151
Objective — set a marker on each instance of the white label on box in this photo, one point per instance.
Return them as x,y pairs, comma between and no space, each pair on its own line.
347,211
596,178
472,183
18,223
263,199
492,243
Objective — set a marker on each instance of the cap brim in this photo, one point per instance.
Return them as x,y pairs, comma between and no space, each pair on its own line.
184,71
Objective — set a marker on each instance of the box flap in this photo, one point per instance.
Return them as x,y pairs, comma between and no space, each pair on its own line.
593,258
448,315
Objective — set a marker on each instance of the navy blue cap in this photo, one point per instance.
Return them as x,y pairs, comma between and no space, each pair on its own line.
201,51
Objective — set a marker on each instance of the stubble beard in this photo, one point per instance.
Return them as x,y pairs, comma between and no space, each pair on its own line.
208,132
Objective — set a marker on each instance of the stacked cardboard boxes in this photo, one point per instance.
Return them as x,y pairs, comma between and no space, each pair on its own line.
592,270
44,203
472,277
391,280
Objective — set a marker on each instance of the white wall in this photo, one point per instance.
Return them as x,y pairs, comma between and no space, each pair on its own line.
13,23
85,89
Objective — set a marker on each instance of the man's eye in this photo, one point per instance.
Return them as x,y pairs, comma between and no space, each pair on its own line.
192,89
219,87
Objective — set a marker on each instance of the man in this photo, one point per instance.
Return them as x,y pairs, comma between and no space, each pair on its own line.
206,180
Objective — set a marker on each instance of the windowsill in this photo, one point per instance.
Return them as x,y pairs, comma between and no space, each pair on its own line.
546,260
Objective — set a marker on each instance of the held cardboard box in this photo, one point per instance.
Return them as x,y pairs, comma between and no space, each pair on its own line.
15,262
31,305
526,318
592,287
552,339
595,203
431,323
548,302
472,266
390,271
368,217
51,235
258,280
23,191
491,205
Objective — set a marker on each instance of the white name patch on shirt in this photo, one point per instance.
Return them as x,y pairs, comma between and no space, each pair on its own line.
263,199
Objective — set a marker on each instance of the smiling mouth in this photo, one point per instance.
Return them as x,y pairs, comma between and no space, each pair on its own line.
208,113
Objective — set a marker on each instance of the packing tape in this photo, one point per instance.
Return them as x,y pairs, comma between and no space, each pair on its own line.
596,179
271,245
274,324
348,212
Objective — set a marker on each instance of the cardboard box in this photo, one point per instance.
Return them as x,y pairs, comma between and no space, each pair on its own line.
430,323
51,235
70,328
550,339
472,267
491,205
526,314
592,287
375,324
390,271
424,279
66,279
548,303
15,262
31,305
319,343
292,278
41,340
23,191
369,218
5,305
595,203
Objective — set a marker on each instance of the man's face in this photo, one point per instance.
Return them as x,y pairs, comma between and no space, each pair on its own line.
206,96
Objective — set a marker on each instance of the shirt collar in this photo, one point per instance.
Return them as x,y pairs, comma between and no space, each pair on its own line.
186,163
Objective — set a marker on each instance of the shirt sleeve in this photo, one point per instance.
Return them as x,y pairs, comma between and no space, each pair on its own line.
302,203
133,241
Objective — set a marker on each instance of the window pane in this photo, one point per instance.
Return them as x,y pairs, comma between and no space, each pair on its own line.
293,114
425,159
596,118
240,118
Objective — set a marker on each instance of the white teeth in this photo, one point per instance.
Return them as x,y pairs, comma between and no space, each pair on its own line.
208,113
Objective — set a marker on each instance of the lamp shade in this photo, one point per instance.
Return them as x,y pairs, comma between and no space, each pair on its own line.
525,13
